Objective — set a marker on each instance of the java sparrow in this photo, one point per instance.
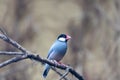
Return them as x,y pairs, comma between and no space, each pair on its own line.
57,51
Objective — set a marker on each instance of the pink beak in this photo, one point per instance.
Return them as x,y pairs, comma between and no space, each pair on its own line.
68,37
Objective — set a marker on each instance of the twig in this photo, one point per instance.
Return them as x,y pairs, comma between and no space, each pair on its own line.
12,60
10,53
63,76
53,68
13,43
3,32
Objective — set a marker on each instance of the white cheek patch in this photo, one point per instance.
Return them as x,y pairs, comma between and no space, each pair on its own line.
61,39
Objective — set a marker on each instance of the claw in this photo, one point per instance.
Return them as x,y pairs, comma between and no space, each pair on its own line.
58,63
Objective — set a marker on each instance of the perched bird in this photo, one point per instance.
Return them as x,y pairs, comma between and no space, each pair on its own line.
57,51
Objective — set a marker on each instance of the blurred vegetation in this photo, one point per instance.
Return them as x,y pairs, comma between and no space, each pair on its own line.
94,50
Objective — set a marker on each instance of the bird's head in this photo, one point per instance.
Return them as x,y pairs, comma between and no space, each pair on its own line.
63,37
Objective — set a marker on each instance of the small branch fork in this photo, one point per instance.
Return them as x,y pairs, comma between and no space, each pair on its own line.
65,74
25,54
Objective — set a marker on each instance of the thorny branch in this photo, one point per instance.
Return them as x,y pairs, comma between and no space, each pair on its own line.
24,54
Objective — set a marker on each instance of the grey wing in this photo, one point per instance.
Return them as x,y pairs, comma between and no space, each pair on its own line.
55,56
51,50
49,54
57,51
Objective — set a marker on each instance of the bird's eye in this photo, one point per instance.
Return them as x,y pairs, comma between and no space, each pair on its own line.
61,39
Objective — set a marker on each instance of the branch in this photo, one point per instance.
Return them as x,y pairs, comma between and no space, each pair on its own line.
24,54
63,76
13,43
39,59
12,60
60,74
10,53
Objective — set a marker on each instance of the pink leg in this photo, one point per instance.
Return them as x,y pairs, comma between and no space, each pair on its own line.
59,63
62,64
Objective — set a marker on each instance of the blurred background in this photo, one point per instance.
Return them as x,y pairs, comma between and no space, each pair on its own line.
94,49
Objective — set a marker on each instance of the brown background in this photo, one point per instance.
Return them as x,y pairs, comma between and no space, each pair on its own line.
94,25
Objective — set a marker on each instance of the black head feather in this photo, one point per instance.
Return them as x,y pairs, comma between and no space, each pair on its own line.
62,36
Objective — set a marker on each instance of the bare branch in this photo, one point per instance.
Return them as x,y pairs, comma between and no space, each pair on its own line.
11,53
63,76
12,60
39,59
60,74
13,43
3,32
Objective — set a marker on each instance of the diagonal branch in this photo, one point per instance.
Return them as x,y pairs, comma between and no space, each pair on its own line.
12,60
60,74
39,59
13,43
63,76
15,59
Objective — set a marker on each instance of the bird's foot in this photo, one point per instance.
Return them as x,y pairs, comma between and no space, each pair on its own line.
62,64
59,63
55,62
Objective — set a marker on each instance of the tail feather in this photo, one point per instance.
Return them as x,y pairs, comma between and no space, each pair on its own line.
47,68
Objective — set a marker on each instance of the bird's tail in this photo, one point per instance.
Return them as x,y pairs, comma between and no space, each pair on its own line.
46,70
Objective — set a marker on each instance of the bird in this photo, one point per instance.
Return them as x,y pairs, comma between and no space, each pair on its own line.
57,51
